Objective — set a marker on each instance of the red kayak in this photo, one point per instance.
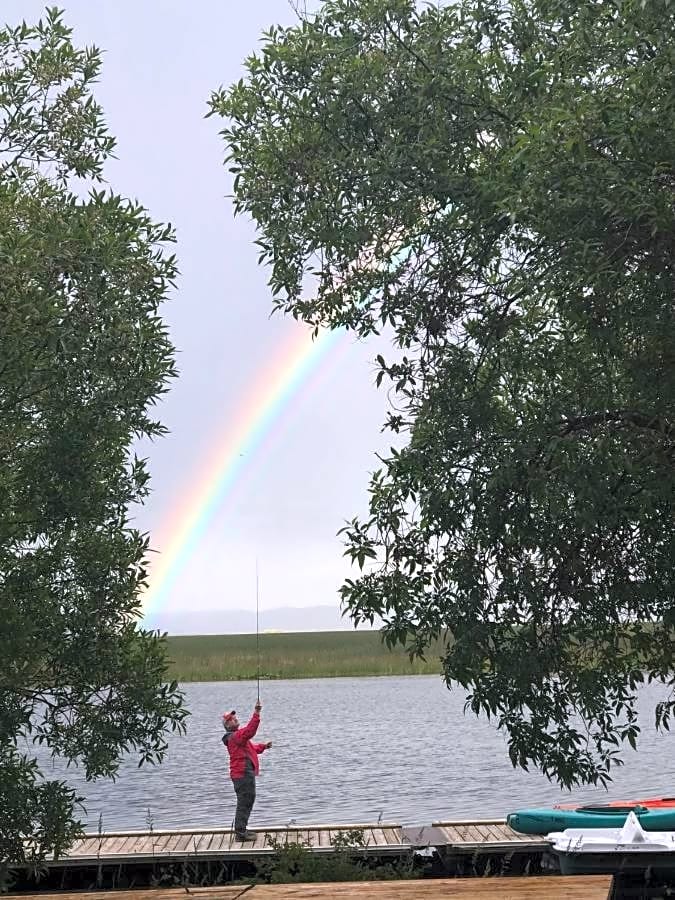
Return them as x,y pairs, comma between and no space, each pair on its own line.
650,803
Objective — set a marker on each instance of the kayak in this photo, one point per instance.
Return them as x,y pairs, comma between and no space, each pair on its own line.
546,820
649,802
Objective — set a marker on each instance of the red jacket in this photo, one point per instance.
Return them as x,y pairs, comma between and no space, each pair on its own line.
240,747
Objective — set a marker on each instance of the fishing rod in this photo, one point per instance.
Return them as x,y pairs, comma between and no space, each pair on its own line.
257,622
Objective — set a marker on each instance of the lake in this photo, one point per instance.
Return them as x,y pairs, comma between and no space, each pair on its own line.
349,750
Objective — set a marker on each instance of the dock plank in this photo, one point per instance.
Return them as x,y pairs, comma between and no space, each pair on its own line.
221,892
145,845
219,841
488,835
496,834
165,840
214,843
183,843
201,842
171,846
376,838
548,887
112,844
474,834
260,840
128,845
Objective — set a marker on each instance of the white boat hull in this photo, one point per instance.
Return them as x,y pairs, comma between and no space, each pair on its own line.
613,850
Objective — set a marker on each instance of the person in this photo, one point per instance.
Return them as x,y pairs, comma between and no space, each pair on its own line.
244,766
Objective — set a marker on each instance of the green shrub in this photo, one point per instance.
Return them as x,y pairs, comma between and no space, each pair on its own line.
295,861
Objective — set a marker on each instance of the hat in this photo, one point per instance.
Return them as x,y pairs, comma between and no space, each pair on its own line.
229,715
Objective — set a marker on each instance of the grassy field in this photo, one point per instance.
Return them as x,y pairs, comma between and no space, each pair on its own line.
318,654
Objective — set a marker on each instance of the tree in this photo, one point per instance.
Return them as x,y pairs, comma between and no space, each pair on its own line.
493,182
83,357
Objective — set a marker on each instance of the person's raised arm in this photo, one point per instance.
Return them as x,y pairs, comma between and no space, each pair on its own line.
247,732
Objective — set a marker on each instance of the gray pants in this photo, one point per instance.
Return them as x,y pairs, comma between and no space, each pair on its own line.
244,788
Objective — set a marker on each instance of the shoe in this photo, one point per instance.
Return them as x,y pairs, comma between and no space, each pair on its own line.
245,835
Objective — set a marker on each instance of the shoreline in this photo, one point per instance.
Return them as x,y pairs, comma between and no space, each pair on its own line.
312,677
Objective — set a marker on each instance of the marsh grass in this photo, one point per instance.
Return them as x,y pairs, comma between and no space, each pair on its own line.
318,654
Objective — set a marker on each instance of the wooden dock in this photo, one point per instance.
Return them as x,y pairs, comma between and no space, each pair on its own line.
550,887
380,839
447,850
487,836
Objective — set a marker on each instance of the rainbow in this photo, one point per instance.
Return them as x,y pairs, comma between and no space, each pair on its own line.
243,439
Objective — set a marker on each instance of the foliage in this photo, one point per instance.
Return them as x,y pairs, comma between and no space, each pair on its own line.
295,861
493,183
83,356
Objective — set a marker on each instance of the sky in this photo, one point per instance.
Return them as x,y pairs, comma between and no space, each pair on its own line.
307,469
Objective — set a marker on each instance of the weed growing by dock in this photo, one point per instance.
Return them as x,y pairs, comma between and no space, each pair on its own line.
294,861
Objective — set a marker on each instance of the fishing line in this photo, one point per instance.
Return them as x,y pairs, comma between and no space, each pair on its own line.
257,625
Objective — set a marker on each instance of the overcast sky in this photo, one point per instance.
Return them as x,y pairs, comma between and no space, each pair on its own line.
162,60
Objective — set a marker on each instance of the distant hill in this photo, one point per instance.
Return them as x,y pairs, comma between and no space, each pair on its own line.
242,621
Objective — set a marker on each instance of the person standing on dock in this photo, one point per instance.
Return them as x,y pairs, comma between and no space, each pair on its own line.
244,766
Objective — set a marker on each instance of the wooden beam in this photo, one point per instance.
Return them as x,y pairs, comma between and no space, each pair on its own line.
549,887
546,887
221,892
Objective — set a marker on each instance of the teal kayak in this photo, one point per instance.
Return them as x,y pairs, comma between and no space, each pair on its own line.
544,821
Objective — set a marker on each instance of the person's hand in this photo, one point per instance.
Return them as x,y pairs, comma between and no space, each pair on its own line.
268,745
258,706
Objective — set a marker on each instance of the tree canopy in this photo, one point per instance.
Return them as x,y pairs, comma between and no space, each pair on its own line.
493,183
83,357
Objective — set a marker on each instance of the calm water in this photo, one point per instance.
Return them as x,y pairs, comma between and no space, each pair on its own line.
349,750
